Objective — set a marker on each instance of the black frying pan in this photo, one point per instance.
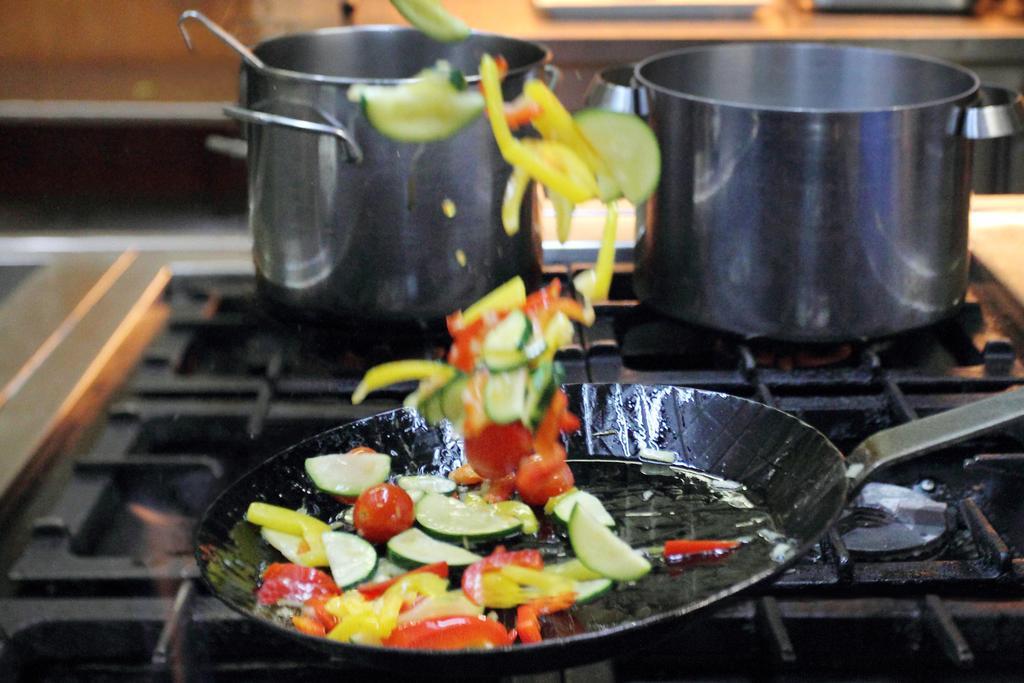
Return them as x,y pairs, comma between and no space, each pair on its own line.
794,482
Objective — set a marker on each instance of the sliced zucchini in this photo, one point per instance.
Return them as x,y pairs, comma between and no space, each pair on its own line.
352,559
627,146
451,519
348,474
591,590
286,544
563,509
425,109
505,395
432,18
430,407
543,382
599,549
451,400
428,483
504,345
413,548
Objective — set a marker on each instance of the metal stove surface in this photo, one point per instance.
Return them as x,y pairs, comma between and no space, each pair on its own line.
100,584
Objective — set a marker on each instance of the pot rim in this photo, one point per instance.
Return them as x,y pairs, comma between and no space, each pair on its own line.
323,79
952,99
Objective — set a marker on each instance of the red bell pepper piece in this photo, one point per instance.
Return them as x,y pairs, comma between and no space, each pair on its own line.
311,627
527,621
685,546
287,581
375,590
473,577
316,608
450,633
520,113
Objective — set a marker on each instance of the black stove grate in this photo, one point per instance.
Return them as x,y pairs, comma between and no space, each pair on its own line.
104,587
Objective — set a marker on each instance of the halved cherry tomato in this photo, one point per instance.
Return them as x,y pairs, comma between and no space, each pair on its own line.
466,476
311,627
287,581
473,577
539,479
450,633
374,590
681,547
495,451
382,511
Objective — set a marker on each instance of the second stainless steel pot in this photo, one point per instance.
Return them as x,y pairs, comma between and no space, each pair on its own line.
810,192
348,223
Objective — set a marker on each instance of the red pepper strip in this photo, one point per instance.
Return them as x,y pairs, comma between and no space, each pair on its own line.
450,633
284,580
546,439
527,622
473,577
466,476
375,590
687,546
466,341
346,500
317,607
542,298
311,627
521,112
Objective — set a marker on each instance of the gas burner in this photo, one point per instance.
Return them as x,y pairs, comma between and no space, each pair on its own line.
782,356
891,522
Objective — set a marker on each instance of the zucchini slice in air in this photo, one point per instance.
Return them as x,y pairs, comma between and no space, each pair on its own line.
428,483
627,146
348,474
451,519
504,346
432,18
505,396
413,548
563,510
543,382
352,559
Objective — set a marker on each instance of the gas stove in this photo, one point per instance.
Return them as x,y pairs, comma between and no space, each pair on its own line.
924,576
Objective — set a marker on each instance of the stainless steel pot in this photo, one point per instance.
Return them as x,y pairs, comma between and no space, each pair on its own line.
348,223
809,192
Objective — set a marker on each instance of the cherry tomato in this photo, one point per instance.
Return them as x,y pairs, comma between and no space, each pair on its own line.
382,511
496,450
539,479
284,580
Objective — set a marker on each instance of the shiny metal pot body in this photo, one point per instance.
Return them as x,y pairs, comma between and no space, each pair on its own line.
349,223
808,192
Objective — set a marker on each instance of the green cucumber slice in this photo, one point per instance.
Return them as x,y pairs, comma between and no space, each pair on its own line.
428,483
352,559
627,146
600,550
591,590
413,548
504,345
432,18
286,544
348,474
563,510
426,109
505,395
450,518
543,382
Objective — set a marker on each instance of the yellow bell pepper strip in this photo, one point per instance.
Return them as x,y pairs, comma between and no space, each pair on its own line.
520,511
451,603
501,592
515,190
292,522
563,215
370,621
394,372
541,582
557,333
606,254
556,123
514,151
561,157
510,295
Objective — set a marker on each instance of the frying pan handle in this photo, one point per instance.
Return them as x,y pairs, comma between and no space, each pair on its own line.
916,438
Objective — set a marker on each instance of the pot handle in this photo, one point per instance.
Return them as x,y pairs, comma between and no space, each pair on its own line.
247,55
355,152
918,437
998,113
